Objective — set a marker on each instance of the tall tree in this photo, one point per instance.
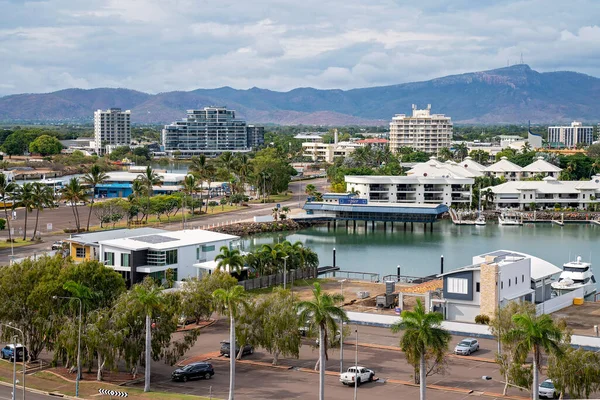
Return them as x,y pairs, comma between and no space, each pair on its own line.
227,161
272,255
229,260
94,178
74,193
25,196
243,169
322,312
42,197
576,372
229,302
537,334
423,336
7,190
190,187
149,179
461,151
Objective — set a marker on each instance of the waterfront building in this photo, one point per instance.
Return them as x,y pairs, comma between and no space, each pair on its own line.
85,246
493,280
255,136
540,167
571,136
412,189
546,193
136,257
210,131
111,127
119,183
421,131
505,169
435,168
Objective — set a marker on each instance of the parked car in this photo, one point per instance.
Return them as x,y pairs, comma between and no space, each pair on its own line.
58,245
193,371
78,203
226,347
7,352
361,374
466,347
547,390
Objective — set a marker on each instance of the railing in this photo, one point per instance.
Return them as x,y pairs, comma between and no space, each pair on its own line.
355,275
277,279
408,279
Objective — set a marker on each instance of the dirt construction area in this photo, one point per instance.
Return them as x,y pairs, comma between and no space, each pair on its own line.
581,318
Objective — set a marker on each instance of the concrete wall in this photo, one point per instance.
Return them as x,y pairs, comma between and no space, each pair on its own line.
559,302
519,271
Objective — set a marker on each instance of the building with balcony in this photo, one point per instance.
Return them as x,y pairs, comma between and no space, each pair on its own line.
546,193
210,131
571,136
111,127
327,152
505,169
435,168
310,137
421,131
411,189
540,167
151,255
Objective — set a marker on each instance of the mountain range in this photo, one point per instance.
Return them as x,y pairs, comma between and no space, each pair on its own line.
513,94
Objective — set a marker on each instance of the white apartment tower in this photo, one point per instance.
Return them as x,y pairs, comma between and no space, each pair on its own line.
571,136
111,127
422,131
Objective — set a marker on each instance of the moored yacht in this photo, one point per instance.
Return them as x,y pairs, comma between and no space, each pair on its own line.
575,275
510,219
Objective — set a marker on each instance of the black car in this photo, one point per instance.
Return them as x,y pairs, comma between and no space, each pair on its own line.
226,347
193,371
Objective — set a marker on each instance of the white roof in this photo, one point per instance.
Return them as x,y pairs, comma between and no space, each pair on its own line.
448,169
410,179
548,185
212,266
504,166
95,237
469,163
539,268
125,176
169,240
540,166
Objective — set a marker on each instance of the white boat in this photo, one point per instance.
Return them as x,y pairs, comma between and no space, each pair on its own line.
510,219
575,275
480,221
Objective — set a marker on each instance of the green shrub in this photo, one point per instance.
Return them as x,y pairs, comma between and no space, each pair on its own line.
2,224
482,319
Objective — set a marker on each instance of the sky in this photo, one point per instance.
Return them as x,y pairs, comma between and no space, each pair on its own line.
164,45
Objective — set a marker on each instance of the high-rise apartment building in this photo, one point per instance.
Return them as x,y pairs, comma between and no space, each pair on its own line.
212,130
256,136
422,131
111,127
571,136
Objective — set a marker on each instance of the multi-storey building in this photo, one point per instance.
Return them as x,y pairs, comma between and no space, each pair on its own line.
111,127
422,131
571,136
212,130
255,136
328,151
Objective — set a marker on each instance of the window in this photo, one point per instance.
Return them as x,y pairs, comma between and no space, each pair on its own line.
508,282
516,281
457,285
477,288
171,257
109,258
530,196
206,249
125,260
80,252
522,278
502,285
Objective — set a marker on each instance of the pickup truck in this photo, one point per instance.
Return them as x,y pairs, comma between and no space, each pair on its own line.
361,374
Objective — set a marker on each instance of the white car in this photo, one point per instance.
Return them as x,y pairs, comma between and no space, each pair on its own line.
361,374
547,390
79,203
466,347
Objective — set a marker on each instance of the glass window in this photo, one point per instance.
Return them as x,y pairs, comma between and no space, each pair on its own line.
457,285
477,287
80,252
522,278
109,258
206,249
125,260
171,257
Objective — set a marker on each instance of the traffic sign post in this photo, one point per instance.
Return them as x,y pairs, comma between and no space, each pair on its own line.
112,393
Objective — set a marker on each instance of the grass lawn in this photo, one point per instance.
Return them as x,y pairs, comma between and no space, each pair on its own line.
18,243
300,283
275,198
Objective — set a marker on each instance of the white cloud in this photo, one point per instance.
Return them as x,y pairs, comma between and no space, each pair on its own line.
163,45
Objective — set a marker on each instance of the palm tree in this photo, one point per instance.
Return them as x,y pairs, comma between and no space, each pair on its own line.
42,196
25,195
272,255
7,189
461,151
310,189
147,297
137,189
73,193
322,312
149,179
422,334
444,154
243,168
190,186
227,161
595,167
526,148
488,197
535,333
230,302
94,178
229,258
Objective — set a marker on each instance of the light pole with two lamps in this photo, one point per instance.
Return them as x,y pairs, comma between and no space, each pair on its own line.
14,393
78,341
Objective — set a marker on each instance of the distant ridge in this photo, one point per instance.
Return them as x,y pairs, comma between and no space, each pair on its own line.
513,94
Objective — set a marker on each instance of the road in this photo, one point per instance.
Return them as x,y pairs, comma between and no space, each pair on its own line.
260,382
6,391
62,218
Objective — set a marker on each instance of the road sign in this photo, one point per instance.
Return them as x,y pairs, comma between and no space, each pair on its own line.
49,227
278,205
112,393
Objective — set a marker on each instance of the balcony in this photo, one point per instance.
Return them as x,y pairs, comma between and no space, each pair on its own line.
378,188
433,189
403,188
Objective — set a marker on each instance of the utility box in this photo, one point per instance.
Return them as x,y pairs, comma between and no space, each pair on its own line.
362,294
390,286
386,301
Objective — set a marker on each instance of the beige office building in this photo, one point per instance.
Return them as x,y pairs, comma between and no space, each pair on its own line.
421,131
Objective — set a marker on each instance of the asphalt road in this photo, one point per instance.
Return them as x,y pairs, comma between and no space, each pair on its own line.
6,391
62,218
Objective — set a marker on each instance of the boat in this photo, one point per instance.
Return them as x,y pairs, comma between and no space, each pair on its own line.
576,274
510,219
480,221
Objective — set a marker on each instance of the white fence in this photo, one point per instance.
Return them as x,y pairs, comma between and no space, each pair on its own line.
263,218
558,303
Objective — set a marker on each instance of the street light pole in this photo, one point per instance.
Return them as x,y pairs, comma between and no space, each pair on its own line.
15,360
356,366
14,392
342,331
285,271
78,341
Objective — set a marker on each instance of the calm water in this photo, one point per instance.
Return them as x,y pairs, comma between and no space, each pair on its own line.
418,253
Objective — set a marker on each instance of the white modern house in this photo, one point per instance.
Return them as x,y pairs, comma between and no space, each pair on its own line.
546,193
493,280
540,167
151,255
412,189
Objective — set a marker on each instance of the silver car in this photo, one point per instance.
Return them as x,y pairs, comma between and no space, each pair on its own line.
547,390
466,347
